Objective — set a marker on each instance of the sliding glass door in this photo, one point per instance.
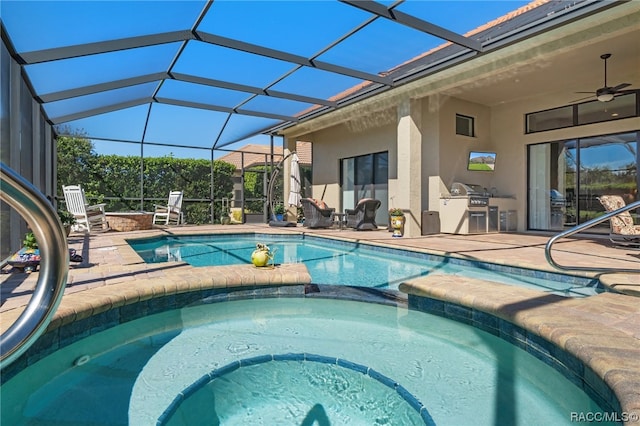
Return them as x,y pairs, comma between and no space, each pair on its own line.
366,176
567,177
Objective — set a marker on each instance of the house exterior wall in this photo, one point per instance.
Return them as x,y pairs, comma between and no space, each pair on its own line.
443,155
507,123
356,137
511,79
439,153
454,149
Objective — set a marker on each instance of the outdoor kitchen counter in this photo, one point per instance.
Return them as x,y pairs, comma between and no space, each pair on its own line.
463,214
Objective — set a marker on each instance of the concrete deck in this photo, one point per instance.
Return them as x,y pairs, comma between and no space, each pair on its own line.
603,330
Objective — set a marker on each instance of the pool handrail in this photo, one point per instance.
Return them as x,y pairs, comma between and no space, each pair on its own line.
43,220
586,225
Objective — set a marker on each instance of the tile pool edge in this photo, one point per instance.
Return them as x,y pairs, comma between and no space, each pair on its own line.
552,328
613,388
613,282
385,381
579,278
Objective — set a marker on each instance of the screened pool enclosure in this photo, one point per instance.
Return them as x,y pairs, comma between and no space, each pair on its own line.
159,90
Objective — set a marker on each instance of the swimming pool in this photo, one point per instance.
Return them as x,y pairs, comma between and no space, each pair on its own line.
135,373
346,263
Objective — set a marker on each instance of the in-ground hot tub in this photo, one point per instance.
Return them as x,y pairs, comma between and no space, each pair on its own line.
129,221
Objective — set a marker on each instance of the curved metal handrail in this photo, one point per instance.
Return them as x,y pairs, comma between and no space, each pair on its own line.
582,227
27,200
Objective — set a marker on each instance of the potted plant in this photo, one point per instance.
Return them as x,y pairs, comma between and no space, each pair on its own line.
225,219
68,220
29,241
27,258
397,221
278,210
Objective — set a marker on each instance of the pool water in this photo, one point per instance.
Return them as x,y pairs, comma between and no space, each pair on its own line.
131,374
342,263
305,391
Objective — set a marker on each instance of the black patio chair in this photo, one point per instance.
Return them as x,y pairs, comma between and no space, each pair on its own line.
317,214
363,216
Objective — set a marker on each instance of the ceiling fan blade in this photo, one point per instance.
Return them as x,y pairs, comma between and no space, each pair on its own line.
620,87
624,92
606,93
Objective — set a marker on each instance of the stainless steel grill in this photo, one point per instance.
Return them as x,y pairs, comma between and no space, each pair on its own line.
478,201
468,189
478,196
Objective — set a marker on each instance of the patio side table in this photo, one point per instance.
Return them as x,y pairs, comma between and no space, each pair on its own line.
341,219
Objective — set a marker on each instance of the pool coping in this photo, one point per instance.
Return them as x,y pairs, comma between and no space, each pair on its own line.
614,282
578,327
624,283
601,371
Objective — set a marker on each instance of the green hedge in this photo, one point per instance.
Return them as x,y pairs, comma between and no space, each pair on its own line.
107,176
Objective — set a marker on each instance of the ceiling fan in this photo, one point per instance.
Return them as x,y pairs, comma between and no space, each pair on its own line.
607,93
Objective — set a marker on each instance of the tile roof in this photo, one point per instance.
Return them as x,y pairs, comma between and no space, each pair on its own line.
489,25
255,155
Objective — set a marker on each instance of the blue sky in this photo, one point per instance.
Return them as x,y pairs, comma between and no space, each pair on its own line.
612,156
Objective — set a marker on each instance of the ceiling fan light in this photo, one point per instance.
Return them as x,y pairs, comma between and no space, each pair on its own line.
605,97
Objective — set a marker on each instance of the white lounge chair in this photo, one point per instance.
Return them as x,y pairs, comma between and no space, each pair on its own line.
88,217
171,213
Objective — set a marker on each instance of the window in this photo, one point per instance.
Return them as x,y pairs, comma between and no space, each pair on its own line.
464,125
556,118
596,112
585,113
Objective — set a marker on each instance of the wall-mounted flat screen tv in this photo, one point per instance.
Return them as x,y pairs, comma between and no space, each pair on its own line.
482,161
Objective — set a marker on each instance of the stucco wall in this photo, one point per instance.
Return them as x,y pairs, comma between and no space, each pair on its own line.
499,129
507,123
454,149
506,83
374,133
